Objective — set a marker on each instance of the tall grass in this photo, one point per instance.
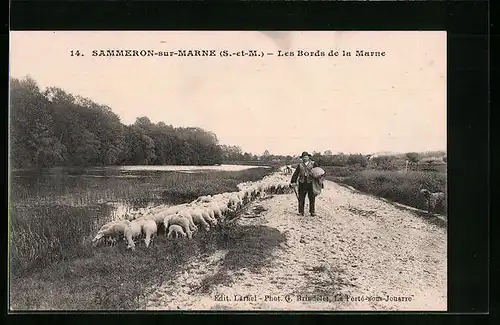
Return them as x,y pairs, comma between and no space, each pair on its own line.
55,221
40,235
396,186
114,278
138,186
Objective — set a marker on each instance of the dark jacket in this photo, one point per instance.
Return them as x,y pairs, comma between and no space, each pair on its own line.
300,173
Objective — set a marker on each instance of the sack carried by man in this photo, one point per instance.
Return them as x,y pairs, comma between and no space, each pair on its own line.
317,183
317,172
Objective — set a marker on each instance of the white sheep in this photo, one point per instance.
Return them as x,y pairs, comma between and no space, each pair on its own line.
159,209
220,198
209,215
185,213
243,195
219,208
179,220
158,216
130,216
149,228
282,187
109,224
205,198
254,192
176,208
197,217
177,230
111,230
206,210
216,210
234,202
133,230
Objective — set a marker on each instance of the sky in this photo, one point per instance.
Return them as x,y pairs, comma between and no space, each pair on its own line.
283,104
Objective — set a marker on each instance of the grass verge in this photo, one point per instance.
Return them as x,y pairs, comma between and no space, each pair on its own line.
396,186
114,278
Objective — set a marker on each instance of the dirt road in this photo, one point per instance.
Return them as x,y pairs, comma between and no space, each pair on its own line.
359,253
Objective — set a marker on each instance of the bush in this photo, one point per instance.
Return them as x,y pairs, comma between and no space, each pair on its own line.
399,187
333,172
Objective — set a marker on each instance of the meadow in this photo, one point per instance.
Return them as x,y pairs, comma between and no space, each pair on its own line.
54,216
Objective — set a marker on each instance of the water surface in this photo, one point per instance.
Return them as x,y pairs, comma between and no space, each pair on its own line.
122,189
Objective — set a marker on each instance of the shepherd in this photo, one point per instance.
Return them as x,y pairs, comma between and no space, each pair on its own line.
310,181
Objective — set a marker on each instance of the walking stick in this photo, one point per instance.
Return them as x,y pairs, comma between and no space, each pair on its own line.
295,190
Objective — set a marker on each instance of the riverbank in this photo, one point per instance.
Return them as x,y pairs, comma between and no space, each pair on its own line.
358,246
54,218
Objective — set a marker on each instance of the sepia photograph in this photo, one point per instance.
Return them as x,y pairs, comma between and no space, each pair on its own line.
227,171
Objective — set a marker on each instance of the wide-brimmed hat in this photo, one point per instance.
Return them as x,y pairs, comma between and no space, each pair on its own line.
305,153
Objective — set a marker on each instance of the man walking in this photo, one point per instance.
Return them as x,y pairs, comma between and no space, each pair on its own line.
303,175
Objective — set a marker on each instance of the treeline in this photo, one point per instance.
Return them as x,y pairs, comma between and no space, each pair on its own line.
410,160
235,154
54,128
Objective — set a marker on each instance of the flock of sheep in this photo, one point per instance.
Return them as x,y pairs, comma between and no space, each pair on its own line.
206,212
184,220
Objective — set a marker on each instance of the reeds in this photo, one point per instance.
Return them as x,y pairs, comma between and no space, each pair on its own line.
56,221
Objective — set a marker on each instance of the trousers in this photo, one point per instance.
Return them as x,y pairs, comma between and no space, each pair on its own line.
306,188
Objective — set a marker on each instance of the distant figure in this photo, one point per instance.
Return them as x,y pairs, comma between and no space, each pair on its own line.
304,177
288,170
432,200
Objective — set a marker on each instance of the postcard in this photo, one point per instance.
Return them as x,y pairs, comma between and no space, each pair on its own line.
228,170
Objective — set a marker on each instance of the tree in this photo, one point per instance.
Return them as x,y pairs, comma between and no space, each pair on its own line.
54,128
327,153
316,156
87,150
266,156
33,142
412,158
336,160
357,160
231,153
385,163
143,121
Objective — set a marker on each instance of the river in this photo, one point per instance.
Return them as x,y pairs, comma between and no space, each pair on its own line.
110,193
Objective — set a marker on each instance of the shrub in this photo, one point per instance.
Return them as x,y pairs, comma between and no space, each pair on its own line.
337,171
399,187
